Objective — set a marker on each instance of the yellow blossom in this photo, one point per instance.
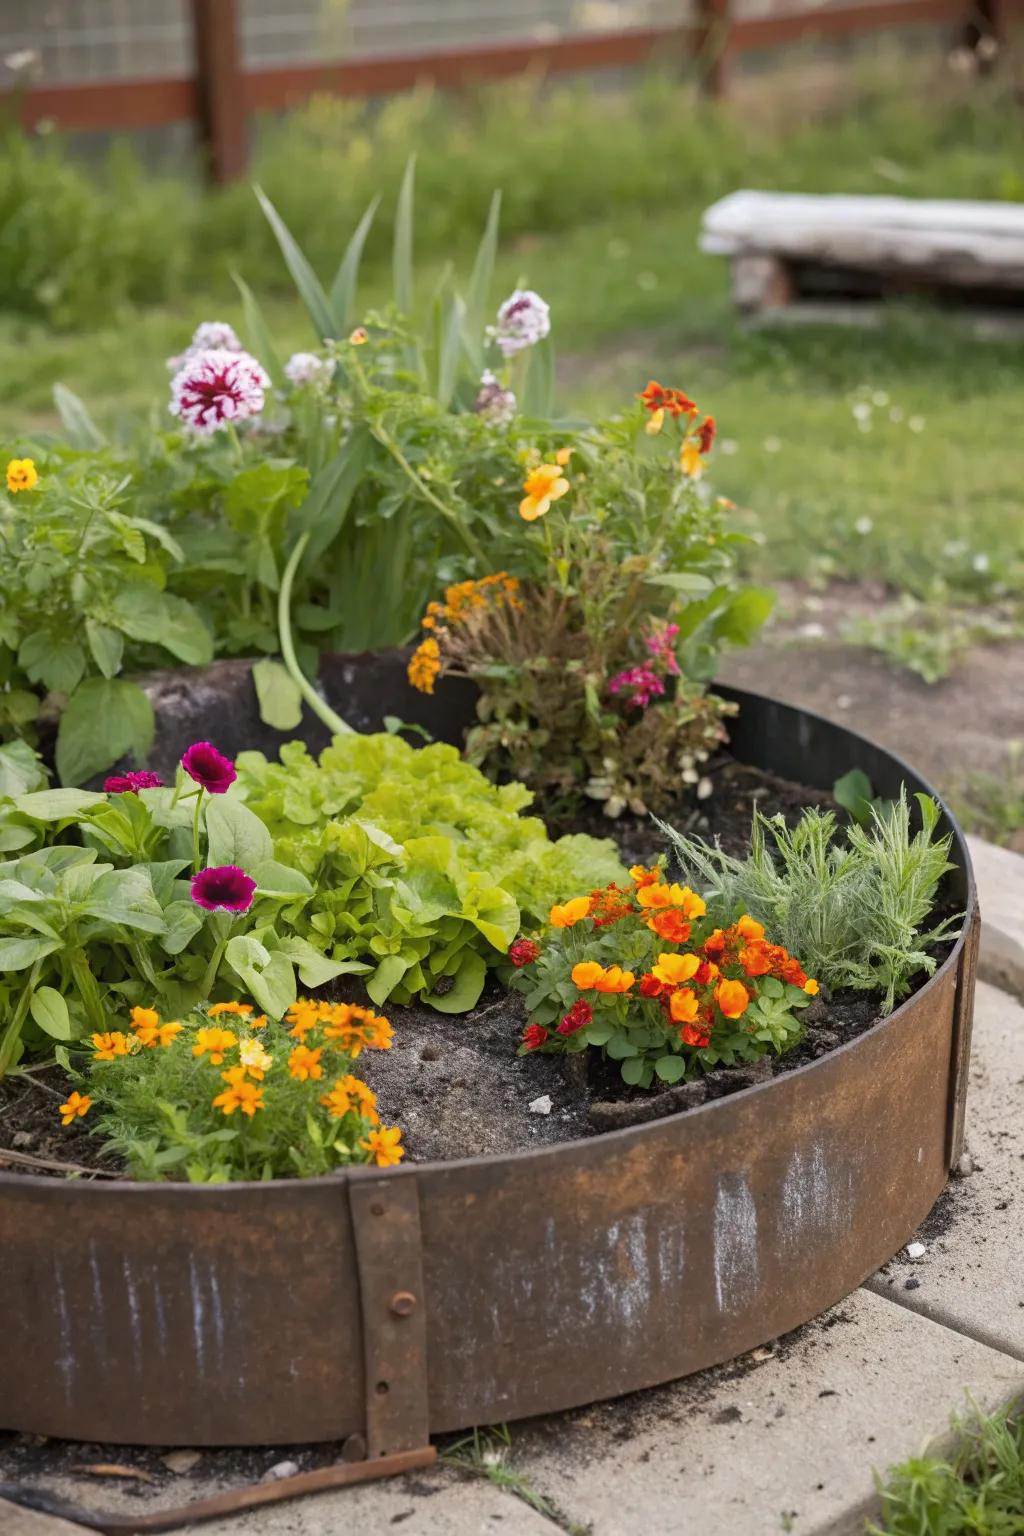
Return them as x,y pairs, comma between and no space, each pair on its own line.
238,1008
542,485
109,1045
384,1146
145,1018
255,1058
358,337
570,913
673,970
304,1064
239,1094
22,475
690,461
216,1041
76,1104
654,423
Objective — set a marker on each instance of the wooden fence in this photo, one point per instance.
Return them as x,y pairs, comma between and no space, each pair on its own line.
220,96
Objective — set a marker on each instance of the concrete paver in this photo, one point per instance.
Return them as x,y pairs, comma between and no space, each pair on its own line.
972,1274
788,1445
1000,876
15,1521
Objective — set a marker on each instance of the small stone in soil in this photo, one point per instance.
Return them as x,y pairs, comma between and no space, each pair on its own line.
916,1250
181,1461
280,1469
541,1106
913,1284
965,1165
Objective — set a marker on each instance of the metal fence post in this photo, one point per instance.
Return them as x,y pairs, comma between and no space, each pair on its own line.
713,46
220,89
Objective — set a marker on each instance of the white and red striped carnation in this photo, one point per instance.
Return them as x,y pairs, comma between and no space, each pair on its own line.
218,386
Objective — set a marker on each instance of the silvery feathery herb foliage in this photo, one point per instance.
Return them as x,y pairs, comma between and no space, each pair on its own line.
855,908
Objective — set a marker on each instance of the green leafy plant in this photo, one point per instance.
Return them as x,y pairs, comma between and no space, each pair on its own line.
977,1490
286,1103
856,907
419,867
645,974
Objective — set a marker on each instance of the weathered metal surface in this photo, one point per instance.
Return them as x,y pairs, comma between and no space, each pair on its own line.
963,1024
385,1212
248,1314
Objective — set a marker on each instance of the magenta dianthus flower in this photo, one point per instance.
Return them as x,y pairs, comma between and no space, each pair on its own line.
210,768
125,783
661,645
639,684
226,888
217,386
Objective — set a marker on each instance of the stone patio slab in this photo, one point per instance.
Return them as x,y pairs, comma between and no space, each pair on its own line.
15,1521
971,1276
757,1449
1000,876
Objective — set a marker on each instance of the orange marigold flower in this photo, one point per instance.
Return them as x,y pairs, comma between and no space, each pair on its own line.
811,987
640,875
610,905
339,1101
303,1016
572,912
670,925
749,929
662,895
107,1046
673,970
653,396
614,979
650,986
362,1096
75,1104
678,404
145,1018
542,485
239,1094
586,974
162,1035
755,960
241,1009
732,998
424,665
304,1064
715,943
385,1146
683,1006
216,1042
695,1034
355,1028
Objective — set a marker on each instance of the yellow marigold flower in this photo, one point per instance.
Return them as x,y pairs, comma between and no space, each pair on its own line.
76,1104
732,997
214,1041
542,485
749,928
238,1008
107,1046
255,1058
654,423
424,665
682,1006
385,1146
571,913
673,970
338,1102
153,1035
614,979
302,1016
811,987
641,874
358,337
362,1096
690,461
239,1094
22,475
145,1018
587,974
304,1064
659,894
563,456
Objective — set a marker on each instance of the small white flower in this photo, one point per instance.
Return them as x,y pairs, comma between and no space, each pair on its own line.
880,398
862,410
523,320
306,368
495,403
981,562
954,548
916,423
864,525
209,335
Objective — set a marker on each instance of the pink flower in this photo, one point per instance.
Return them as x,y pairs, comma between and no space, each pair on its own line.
523,952
125,783
217,386
578,1017
661,645
226,887
493,402
210,768
523,320
639,683
208,335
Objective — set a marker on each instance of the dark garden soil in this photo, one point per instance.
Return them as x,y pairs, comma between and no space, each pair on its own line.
454,1082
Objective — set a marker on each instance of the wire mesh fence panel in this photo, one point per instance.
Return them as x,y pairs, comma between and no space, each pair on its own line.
87,40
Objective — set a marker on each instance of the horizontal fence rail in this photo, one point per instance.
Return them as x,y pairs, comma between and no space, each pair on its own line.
221,96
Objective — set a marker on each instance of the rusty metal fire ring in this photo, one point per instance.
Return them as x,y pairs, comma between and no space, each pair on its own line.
381,1307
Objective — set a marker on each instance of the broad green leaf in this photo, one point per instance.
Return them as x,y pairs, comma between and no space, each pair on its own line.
82,431
19,954
275,879
343,289
57,664
632,1069
125,897
59,804
310,289
681,581
740,621
468,983
145,613
402,251
105,719
598,1034
325,509
21,769
386,978
279,698
182,921
314,968
257,331
50,1012
539,384
235,835
853,791
106,645
620,1047
267,977
670,1068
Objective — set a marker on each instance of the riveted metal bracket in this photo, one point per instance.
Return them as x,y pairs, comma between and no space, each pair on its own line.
389,1256
963,1021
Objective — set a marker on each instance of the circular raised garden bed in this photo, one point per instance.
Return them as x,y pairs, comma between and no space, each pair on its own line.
388,1305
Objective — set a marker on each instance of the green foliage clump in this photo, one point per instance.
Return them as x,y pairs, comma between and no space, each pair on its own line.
420,866
978,1490
854,909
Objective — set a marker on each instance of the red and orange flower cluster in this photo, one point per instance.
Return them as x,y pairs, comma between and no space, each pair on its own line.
697,440
707,987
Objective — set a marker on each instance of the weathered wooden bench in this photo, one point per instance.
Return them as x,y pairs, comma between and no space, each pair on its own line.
790,251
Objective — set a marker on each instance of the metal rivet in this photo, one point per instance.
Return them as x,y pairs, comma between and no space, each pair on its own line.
377,1210
402,1303
354,1449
